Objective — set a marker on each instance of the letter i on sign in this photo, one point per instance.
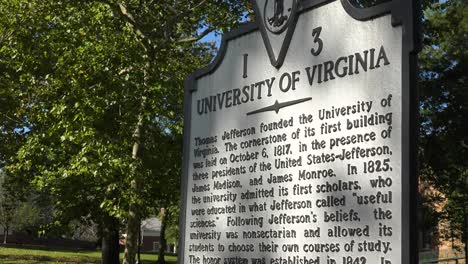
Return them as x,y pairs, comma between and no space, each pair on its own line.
352,169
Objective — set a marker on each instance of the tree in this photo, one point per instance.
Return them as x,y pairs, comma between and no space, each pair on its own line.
94,82
172,230
8,206
62,63
179,24
27,218
12,135
62,69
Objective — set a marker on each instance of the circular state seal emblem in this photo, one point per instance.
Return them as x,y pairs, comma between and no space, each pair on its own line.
277,14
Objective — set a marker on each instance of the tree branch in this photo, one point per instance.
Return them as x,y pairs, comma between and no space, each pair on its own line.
6,36
171,22
122,12
172,9
197,38
13,119
197,6
186,12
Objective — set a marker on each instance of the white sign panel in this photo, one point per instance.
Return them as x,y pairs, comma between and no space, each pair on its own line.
295,141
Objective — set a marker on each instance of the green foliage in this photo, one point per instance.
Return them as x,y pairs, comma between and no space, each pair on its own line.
21,215
82,77
172,231
27,218
8,205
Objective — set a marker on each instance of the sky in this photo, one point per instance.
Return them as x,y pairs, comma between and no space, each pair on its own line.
213,38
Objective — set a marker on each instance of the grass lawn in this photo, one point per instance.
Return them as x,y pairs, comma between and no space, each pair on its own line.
43,256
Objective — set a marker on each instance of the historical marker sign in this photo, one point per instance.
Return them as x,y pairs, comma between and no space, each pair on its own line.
298,139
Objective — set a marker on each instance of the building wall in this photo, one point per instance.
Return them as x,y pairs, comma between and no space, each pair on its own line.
148,244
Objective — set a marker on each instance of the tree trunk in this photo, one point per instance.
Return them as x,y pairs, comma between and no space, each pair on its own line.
162,237
465,234
5,234
134,217
133,228
110,241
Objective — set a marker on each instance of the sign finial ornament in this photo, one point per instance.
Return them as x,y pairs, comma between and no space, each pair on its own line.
277,20
277,16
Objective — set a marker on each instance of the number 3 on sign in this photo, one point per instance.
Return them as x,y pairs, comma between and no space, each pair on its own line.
316,34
